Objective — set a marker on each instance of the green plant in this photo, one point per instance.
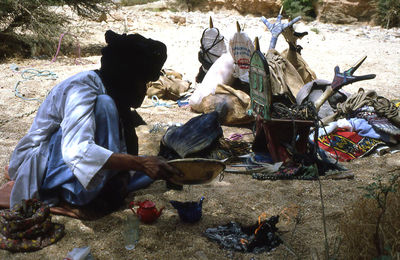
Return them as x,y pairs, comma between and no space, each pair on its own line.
304,8
155,9
379,192
315,30
190,4
34,27
388,13
135,2
329,254
372,226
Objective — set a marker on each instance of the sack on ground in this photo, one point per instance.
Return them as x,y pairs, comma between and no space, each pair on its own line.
169,86
241,48
219,73
285,80
300,65
238,103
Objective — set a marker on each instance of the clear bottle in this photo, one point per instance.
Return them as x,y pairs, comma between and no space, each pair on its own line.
131,231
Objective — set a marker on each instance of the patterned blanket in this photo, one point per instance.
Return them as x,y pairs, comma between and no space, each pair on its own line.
347,145
28,227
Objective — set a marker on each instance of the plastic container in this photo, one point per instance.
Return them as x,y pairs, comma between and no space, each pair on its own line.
82,253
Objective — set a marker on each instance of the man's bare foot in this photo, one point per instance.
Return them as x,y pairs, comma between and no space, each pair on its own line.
6,173
5,192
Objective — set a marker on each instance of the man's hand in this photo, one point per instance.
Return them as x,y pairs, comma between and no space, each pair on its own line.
157,168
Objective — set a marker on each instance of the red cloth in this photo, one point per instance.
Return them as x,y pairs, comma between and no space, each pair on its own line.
347,145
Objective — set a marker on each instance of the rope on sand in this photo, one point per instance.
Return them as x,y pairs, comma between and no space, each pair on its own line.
157,103
30,74
5,121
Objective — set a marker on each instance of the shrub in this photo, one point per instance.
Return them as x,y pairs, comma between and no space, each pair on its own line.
372,227
191,4
305,8
33,27
388,13
135,2
315,30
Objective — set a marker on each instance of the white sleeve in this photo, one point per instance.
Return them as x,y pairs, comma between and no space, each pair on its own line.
80,153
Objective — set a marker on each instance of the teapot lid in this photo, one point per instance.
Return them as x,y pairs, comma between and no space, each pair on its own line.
147,204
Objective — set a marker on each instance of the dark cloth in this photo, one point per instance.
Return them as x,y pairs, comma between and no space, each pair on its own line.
194,138
258,238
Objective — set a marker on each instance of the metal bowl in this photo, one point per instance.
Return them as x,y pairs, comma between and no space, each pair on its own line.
196,170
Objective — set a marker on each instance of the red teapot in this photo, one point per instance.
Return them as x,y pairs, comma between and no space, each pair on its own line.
147,211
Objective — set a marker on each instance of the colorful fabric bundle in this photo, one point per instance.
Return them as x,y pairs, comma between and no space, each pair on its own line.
380,124
347,145
28,227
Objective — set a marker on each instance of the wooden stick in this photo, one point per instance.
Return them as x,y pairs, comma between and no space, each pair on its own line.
238,26
256,44
321,100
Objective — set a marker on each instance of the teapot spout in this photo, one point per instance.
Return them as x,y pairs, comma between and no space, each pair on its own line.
160,211
201,201
176,204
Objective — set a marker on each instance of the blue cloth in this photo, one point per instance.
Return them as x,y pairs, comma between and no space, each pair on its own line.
363,128
139,181
263,158
60,182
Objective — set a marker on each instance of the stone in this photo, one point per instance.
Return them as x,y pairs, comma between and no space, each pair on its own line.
201,255
345,12
102,18
394,161
178,19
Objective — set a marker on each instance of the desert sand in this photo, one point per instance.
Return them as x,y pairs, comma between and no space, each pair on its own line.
237,197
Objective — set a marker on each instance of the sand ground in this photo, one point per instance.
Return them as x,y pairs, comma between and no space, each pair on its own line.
237,197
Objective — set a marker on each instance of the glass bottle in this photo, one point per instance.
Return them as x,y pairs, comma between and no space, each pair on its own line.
131,231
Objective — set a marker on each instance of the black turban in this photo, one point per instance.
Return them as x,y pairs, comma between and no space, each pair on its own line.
128,62
132,54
